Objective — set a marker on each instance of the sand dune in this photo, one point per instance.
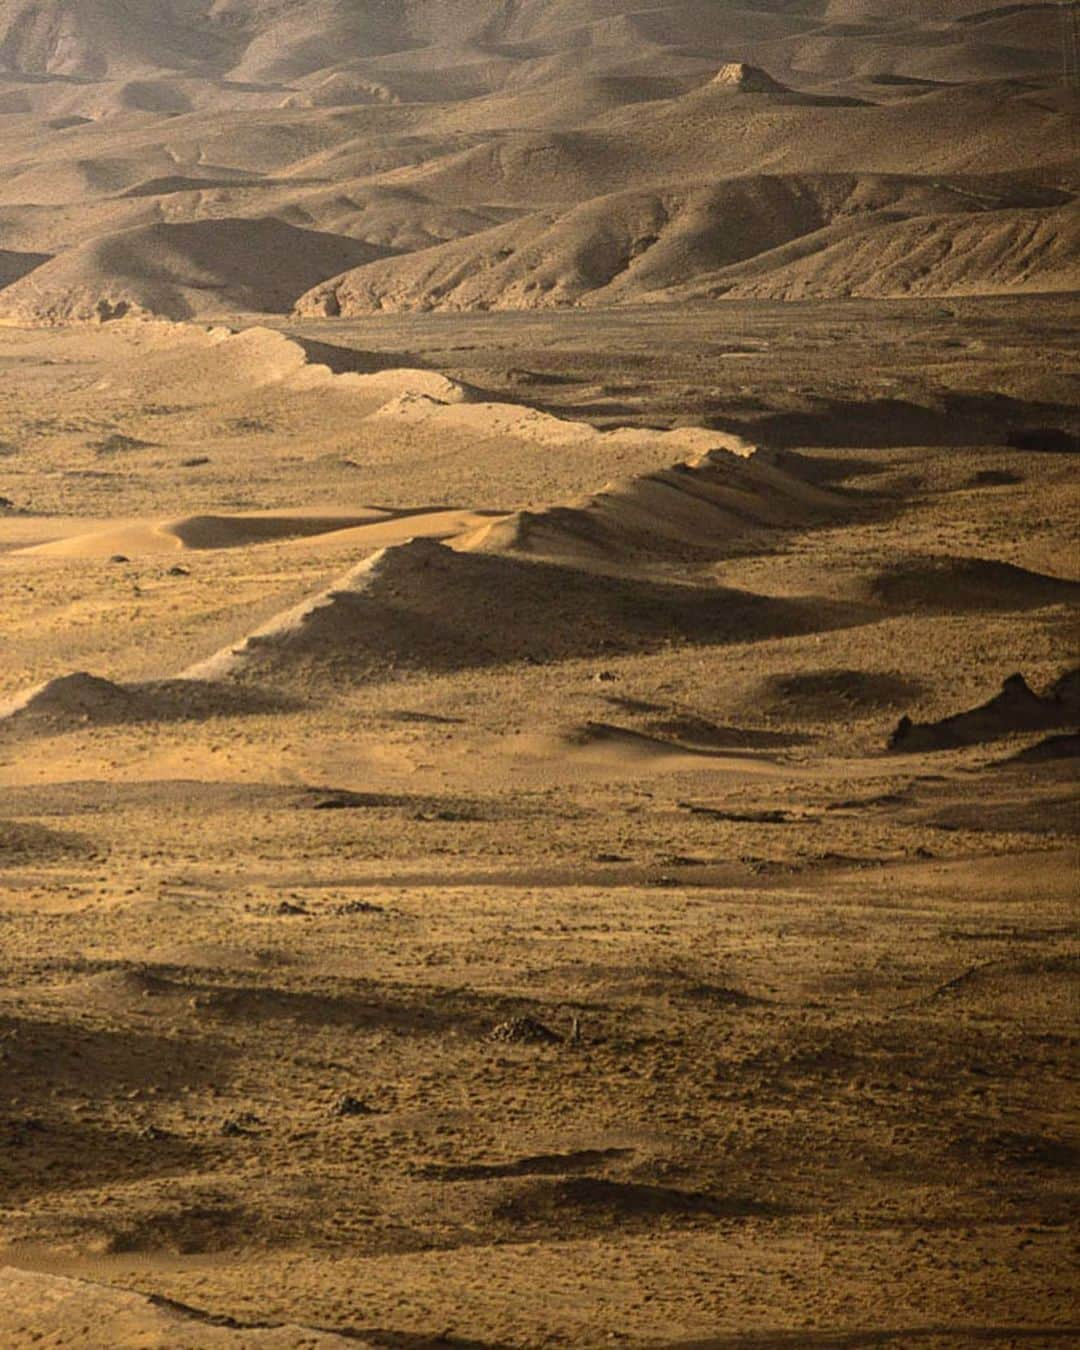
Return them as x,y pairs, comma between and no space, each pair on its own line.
710,135
712,507
1050,750
468,414
423,606
609,752
23,842
395,218
201,532
79,696
566,92
822,696
213,364
91,42
1003,250
370,529
1016,990
14,264
514,929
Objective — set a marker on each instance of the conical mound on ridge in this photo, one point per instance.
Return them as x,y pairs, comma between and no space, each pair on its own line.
718,505
422,606
748,79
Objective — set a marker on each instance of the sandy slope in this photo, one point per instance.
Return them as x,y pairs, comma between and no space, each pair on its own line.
40,1305
725,502
538,720
295,948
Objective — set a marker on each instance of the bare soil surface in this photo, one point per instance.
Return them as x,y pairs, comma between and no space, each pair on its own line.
538,673
381,962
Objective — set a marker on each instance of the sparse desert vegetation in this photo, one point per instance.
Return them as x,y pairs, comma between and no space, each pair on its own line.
538,709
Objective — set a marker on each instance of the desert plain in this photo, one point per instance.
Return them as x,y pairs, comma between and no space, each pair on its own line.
538,678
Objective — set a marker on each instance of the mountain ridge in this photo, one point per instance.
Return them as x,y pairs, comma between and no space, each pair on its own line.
405,127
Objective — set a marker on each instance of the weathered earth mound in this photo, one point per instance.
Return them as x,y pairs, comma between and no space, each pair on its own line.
969,584
1016,709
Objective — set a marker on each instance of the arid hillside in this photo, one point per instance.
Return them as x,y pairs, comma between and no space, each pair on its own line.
473,154
539,701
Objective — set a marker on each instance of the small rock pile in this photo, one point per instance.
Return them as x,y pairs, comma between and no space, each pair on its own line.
524,1031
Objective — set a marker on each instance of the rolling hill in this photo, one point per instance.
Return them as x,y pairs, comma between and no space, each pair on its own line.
545,153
